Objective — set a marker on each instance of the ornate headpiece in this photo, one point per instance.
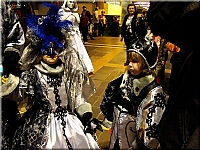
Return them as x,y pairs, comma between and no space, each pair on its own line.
47,31
147,49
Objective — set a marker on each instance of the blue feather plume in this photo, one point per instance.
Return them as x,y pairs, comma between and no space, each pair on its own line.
53,9
32,21
49,30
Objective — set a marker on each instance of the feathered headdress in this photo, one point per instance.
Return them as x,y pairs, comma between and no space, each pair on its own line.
47,31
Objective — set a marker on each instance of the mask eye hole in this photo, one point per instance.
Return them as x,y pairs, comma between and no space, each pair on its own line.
45,52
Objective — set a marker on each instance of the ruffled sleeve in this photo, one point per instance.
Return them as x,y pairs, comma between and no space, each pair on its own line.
110,98
149,115
27,81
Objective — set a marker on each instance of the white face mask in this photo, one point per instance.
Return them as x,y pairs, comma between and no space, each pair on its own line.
70,4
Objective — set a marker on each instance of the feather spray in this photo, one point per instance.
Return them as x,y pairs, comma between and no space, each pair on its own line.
49,28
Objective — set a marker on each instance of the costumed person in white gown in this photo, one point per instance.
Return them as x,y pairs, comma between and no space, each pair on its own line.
56,83
69,12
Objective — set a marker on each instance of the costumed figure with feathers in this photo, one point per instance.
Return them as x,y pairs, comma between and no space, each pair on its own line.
12,42
69,12
134,102
55,81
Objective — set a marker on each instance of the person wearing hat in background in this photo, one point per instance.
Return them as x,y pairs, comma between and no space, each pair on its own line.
134,102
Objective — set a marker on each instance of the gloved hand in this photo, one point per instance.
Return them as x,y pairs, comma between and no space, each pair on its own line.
86,118
92,126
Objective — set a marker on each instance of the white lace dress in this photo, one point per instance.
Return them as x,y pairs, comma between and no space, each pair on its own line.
50,123
74,36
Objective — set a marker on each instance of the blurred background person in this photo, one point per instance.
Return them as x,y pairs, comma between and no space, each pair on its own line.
115,27
102,23
13,9
84,21
88,14
162,58
96,21
128,28
142,23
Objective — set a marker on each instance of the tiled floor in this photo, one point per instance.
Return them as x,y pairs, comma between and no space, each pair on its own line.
108,56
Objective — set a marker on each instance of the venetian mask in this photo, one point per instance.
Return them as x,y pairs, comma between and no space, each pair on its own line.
69,3
52,49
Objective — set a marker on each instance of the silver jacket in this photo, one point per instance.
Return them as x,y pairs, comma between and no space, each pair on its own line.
135,113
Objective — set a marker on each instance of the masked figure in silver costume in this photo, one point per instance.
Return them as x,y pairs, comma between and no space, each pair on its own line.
134,102
12,40
69,12
56,83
